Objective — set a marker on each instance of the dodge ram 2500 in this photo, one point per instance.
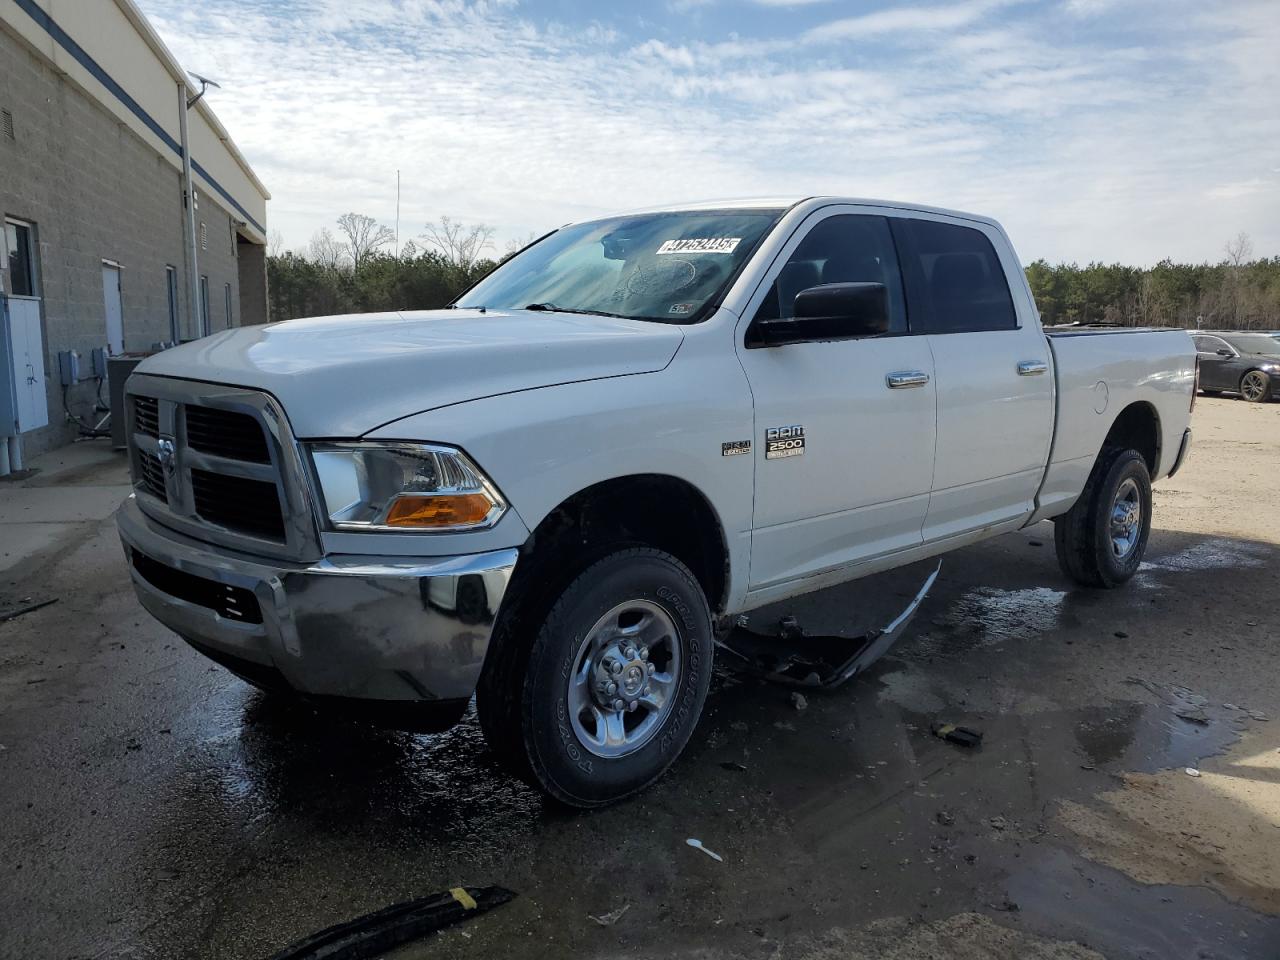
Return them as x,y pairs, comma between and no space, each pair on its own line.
554,494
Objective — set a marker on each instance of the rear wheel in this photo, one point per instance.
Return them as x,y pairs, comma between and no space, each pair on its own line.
1101,540
1255,386
613,683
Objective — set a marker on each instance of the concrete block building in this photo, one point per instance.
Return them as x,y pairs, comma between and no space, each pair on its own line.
103,245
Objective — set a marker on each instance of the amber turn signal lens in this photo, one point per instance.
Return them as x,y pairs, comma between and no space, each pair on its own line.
446,510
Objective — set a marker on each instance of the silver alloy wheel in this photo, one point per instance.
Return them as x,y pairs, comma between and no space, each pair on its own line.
625,676
1126,519
1252,386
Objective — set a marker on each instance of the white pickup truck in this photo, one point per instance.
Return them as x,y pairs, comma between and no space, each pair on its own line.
557,494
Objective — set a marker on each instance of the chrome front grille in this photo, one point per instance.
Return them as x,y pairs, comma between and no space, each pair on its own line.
219,464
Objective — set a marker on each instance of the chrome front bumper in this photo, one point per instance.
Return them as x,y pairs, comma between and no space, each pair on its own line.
396,631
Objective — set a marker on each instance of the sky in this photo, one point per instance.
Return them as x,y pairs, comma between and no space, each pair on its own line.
1109,130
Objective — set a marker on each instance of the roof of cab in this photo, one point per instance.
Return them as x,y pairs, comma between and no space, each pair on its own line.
809,202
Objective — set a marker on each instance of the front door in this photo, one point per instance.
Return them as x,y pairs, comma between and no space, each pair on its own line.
993,372
114,308
844,429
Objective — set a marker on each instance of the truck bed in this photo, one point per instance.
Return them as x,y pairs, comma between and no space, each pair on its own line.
1100,372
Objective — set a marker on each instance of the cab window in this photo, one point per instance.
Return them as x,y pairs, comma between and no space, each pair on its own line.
847,248
958,285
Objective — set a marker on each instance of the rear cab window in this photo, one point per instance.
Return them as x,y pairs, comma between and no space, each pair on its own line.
955,281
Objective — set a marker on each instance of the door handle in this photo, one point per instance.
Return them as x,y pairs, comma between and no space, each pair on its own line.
905,379
1032,368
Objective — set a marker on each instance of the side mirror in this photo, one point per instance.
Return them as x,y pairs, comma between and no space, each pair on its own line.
1224,352
829,311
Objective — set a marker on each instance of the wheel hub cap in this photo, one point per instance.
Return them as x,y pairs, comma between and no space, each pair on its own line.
621,672
624,680
1126,519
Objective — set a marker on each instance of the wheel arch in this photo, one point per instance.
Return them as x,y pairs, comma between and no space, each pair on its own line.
1137,426
656,509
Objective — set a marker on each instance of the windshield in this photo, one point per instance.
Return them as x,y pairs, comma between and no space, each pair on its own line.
1255,343
668,267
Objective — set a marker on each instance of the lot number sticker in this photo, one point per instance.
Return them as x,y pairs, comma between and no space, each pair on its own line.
700,245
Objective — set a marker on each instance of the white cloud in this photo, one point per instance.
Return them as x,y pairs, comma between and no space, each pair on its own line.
900,20
685,6
1242,188
1086,151
1088,8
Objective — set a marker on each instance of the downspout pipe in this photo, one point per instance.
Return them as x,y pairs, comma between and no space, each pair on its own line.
188,188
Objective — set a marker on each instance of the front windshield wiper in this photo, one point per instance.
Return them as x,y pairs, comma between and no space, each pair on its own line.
552,308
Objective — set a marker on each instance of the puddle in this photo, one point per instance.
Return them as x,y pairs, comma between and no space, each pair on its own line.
1214,553
987,617
1144,737
1057,891
287,760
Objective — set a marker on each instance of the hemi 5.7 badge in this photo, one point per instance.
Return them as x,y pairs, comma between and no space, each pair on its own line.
780,442
735,448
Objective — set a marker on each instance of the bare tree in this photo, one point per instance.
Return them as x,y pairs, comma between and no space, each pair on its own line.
516,244
275,243
460,244
364,236
1240,250
327,250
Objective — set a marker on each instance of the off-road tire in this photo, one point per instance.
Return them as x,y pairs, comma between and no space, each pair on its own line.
523,710
1082,535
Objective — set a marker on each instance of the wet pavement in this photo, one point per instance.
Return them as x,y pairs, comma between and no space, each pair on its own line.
154,806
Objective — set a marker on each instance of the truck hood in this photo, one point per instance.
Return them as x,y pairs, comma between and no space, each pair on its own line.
343,376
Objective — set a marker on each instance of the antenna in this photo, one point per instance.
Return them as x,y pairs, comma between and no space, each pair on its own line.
205,84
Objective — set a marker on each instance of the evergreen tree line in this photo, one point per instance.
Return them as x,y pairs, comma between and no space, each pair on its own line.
1222,296
354,272
299,286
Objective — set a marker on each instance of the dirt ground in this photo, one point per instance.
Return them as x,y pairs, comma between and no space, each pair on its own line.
154,806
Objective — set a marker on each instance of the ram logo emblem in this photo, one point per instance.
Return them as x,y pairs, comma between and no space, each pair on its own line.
782,442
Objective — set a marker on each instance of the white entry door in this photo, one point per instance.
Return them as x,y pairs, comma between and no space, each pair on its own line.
854,483
114,308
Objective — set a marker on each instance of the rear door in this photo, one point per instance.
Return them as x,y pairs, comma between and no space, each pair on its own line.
992,370
844,429
1220,366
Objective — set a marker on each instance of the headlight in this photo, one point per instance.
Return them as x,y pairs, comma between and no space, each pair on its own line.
403,486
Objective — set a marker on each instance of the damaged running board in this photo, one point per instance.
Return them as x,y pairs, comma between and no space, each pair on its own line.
798,659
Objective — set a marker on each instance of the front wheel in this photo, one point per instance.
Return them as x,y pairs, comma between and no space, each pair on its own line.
615,679
1255,386
1101,540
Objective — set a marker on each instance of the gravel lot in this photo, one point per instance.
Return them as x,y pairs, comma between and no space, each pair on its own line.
154,806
